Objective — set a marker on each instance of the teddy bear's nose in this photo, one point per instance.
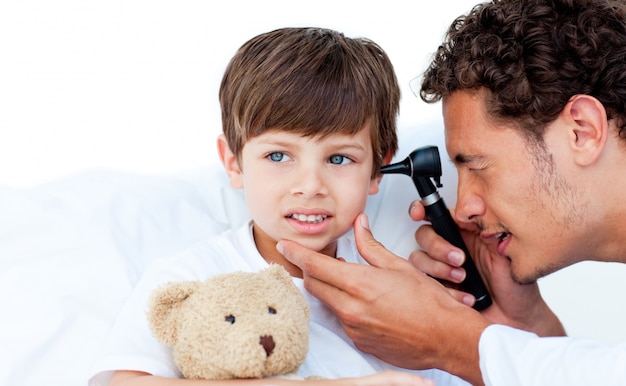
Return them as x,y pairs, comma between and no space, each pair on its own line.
268,344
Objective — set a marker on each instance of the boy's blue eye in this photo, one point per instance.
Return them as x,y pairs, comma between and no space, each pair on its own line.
278,157
338,159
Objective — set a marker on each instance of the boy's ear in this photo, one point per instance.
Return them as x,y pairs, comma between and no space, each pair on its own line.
375,182
230,163
589,128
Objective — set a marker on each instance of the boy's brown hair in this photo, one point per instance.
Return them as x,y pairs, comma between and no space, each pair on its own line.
314,82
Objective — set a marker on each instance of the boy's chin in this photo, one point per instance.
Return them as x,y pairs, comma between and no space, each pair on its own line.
322,246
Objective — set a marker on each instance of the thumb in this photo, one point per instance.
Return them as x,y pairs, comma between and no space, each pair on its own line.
370,248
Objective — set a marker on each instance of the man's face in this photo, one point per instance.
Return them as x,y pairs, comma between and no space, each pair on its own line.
511,189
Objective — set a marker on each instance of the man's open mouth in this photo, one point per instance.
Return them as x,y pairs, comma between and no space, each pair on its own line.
502,236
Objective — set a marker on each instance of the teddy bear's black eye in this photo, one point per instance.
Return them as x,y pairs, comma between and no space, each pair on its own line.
230,319
271,310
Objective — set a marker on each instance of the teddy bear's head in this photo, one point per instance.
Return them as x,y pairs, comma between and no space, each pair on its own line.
235,325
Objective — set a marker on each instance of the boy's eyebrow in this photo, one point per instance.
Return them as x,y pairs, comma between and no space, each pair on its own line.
337,145
355,145
275,142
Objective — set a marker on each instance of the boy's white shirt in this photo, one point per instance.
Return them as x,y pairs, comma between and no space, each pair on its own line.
131,345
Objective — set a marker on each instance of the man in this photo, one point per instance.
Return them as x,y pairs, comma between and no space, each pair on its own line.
534,105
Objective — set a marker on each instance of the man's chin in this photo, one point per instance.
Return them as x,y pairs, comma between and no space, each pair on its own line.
524,278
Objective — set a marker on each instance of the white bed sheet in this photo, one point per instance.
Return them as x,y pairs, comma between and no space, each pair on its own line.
71,250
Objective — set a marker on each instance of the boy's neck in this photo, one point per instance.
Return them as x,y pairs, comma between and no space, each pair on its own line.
267,248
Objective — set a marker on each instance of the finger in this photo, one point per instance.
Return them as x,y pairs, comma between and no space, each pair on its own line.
438,248
437,269
335,282
444,272
338,300
372,250
311,262
416,211
462,297
321,271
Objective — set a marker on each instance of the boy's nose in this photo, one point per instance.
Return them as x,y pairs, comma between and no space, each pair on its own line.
309,183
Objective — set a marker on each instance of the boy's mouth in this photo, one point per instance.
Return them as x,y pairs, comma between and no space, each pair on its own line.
309,219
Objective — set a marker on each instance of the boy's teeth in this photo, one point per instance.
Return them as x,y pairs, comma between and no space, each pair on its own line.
312,218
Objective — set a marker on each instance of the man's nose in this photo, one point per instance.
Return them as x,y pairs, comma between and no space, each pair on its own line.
469,204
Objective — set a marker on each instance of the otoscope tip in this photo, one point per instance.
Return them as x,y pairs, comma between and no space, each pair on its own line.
403,167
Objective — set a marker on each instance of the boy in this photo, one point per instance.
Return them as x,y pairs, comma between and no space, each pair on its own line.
308,119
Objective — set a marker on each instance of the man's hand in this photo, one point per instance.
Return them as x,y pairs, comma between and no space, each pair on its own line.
391,309
514,304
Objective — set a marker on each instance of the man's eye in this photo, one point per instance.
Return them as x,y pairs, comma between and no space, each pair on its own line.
278,157
476,168
338,159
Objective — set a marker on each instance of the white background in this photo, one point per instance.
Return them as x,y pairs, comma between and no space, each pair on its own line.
132,85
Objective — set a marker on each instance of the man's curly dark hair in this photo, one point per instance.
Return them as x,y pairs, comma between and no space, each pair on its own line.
533,55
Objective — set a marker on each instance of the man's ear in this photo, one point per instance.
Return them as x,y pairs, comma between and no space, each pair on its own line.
375,182
230,163
589,128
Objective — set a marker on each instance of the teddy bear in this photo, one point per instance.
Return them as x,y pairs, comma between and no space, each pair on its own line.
233,325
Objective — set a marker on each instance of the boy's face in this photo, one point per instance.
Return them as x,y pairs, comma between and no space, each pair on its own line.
305,189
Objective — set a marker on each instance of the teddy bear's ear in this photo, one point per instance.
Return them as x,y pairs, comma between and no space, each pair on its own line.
164,303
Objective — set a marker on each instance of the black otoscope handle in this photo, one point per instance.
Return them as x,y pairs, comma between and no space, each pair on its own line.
444,225
423,165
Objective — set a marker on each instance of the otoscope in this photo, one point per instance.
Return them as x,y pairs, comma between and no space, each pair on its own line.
423,165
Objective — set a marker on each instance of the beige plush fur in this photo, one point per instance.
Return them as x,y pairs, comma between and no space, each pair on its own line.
235,325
